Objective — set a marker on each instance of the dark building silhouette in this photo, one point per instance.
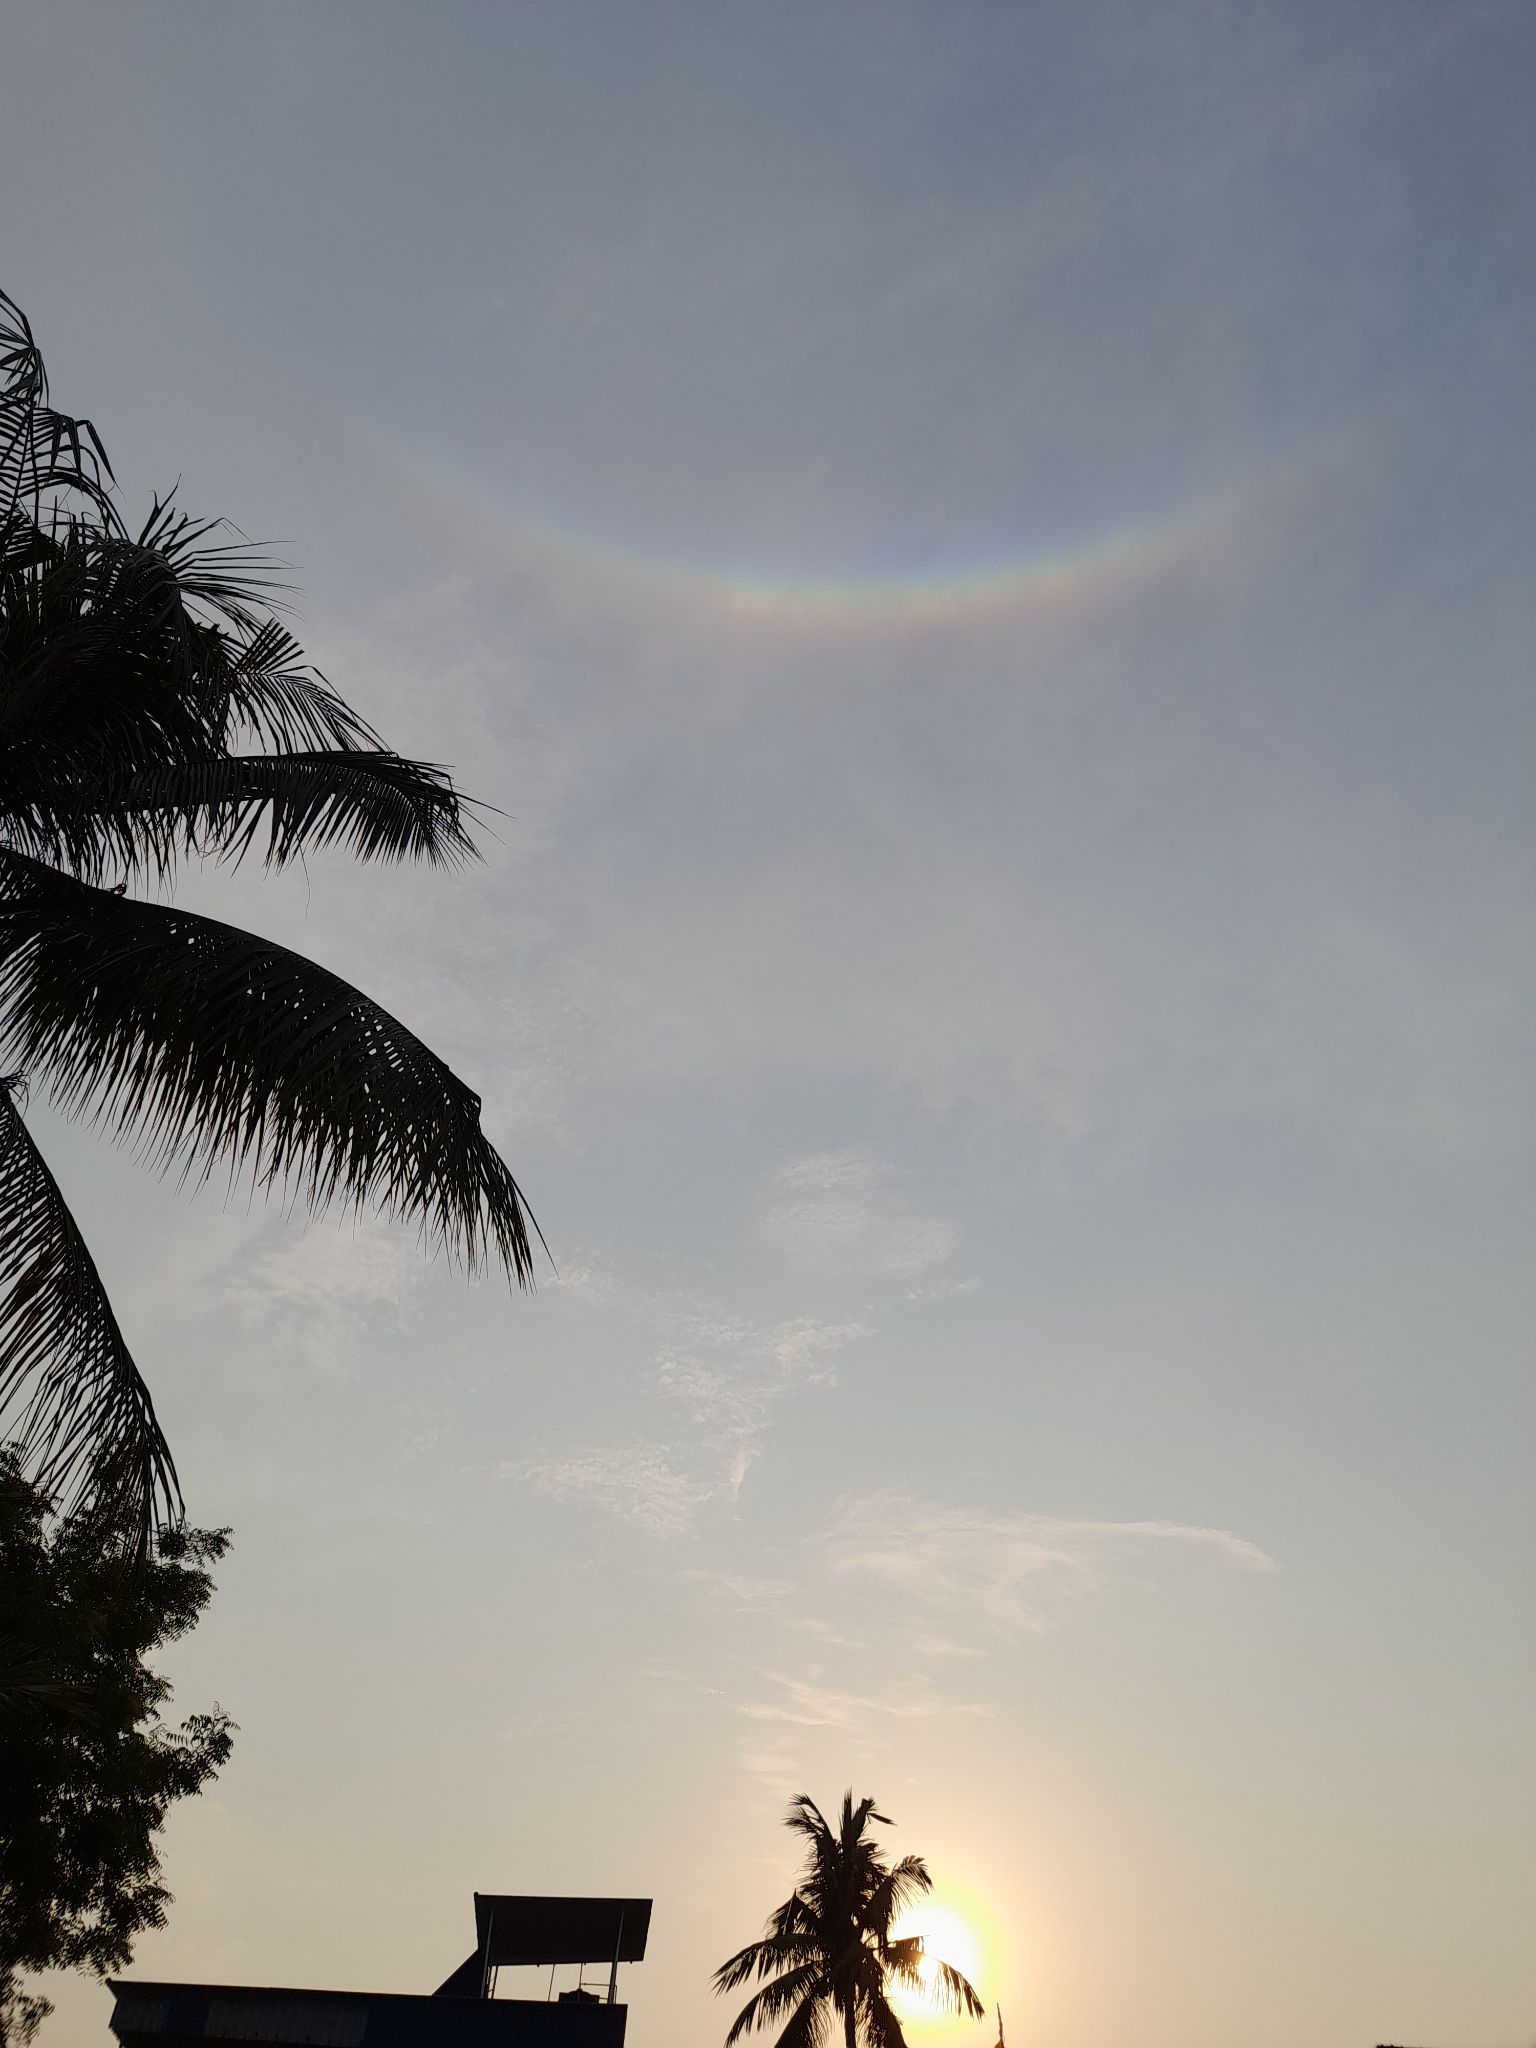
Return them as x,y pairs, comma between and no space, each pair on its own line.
464,2012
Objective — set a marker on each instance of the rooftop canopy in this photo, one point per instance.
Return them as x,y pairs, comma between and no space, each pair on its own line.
510,1930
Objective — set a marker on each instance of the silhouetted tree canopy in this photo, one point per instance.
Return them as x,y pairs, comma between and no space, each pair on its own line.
154,709
827,1954
88,1767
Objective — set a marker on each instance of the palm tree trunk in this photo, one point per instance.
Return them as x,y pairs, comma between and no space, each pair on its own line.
850,2026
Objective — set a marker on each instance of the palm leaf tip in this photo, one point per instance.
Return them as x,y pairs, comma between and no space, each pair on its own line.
210,1042
71,1398
957,1991
376,805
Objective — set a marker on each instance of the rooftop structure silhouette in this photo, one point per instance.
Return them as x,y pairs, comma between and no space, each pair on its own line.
512,1931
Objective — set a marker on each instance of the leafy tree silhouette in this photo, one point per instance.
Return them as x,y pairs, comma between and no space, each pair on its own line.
153,709
91,1765
827,1954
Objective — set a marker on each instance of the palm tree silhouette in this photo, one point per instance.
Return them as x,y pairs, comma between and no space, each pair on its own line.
828,1953
152,709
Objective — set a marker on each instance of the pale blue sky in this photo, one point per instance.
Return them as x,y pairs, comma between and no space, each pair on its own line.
985,553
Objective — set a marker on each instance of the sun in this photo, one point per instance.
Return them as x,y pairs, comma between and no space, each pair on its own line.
947,1937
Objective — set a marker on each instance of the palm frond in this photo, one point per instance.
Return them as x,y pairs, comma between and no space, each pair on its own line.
739,1969
807,2027
955,1991
776,1950
795,1917
107,665
855,1819
903,1959
71,1398
274,694
785,1995
897,1887
805,1817
881,2027
251,667
207,1041
223,579
40,450
379,805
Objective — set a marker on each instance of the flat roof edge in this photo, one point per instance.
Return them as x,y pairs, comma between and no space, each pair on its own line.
118,1985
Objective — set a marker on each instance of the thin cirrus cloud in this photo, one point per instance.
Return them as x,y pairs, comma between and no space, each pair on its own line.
727,1372
959,1580
329,1288
1007,1573
638,1483
723,1372
726,1375
369,1266
807,1705
847,1212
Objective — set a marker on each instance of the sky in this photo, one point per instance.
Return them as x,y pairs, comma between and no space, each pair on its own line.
982,556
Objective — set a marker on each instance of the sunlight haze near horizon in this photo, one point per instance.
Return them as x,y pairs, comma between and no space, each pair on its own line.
983,556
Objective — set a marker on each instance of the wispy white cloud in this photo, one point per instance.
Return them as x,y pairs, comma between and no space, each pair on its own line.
960,1581
848,1213
747,1595
328,1287
636,1482
773,1767
727,1373
805,1704
722,1372
1008,1572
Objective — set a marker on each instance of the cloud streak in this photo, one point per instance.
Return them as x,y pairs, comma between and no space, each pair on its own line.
721,1372
328,1288
805,1704
637,1483
1007,1573
847,1213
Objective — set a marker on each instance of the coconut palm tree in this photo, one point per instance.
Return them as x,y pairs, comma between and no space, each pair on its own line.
154,709
827,1954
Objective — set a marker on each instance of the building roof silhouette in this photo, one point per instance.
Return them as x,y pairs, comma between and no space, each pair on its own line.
511,1931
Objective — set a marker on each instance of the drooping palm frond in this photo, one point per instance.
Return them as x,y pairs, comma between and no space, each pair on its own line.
206,1041
808,2027
954,1990
379,806
778,2000
71,1398
877,2021
903,1958
276,697
895,1888
781,1948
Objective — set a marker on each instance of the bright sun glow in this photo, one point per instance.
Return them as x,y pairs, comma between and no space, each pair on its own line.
947,1937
